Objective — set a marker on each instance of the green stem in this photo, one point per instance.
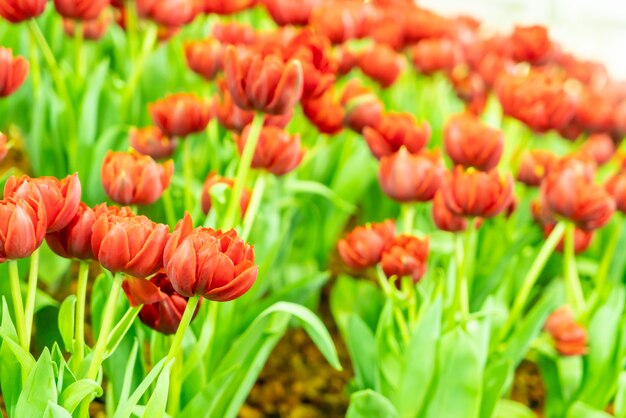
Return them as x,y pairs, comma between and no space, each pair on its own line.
78,49
29,309
531,277
408,217
575,295
18,306
242,171
609,253
255,204
131,29
213,142
79,329
168,205
188,174
35,65
383,282
401,321
461,301
192,303
175,387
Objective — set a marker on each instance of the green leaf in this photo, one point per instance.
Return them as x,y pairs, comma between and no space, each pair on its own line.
506,408
77,391
67,319
52,268
125,409
313,187
10,370
496,376
25,359
39,389
620,397
55,411
128,374
88,122
361,344
158,400
370,404
582,410
120,330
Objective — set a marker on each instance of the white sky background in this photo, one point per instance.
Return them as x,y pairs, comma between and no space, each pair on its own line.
594,29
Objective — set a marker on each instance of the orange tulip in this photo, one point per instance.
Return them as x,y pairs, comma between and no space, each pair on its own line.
363,247
169,13
16,11
570,338
205,57
22,228
381,63
151,141
531,44
471,143
80,9
277,151
13,71
182,114
534,166
406,255
396,130
411,177
74,240
444,219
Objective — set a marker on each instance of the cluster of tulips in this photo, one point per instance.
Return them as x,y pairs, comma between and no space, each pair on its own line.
484,170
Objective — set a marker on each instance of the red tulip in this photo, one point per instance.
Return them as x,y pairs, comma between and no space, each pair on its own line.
570,338
582,239
179,115
534,166
406,255
339,22
170,13
469,87
16,11
444,219
80,9
60,198
226,7
382,64
324,112
396,130
411,177
130,178
162,308
128,244
92,29
347,60
422,24
432,55
616,187
363,247
531,44
4,146
263,84
213,179
74,241
569,193
22,228
214,264
151,141
13,71
595,111
475,193
233,33
362,107
600,147
277,151
471,143
288,12
205,57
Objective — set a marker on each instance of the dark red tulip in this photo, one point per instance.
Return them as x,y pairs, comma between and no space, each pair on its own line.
214,264
265,84
471,143
362,107
409,177
582,238
444,219
233,33
570,338
74,241
182,114
60,198
363,247
13,71
396,130
406,255
600,147
130,178
80,9
277,151
382,64
22,228
151,141
16,11
128,244
288,12
432,55
570,194
162,308
531,44
226,7
205,57
616,186
324,112
169,13
475,193
534,166
92,29
4,146
214,179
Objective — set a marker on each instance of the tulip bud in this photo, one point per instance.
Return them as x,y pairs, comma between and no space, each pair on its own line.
74,241
13,71
288,12
475,193
129,244
80,9
60,198
569,194
169,13
92,29
264,84
151,141
162,308
214,264
599,147
130,178
213,179
324,112
396,130
4,147
205,57
16,11
222,7
409,177
179,115
444,219
406,255
22,228
382,64
277,151
534,166
363,246
570,338
432,55
471,143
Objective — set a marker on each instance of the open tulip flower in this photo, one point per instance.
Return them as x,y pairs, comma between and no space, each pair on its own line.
205,57
80,9
277,151
470,143
22,228
74,240
407,177
169,13
363,247
151,141
181,114
395,130
16,11
13,71
406,256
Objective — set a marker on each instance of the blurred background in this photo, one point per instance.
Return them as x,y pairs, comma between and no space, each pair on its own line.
594,29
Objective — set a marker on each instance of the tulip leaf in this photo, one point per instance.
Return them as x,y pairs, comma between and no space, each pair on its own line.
39,389
89,112
361,344
496,375
506,408
73,395
319,189
52,268
370,404
55,411
125,408
158,400
120,330
582,410
620,397
10,369
67,320
128,373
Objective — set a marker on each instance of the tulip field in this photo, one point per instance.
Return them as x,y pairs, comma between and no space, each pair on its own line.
203,198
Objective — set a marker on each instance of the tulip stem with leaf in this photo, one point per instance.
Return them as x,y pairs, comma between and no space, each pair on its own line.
575,295
29,307
168,206
188,173
18,305
81,298
254,205
35,65
461,296
408,217
230,218
78,49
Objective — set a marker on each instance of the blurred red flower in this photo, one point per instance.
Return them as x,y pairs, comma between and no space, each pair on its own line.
395,130
406,255
289,12
409,177
80,9
534,166
531,44
363,247
170,13
151,141
16,11
205,57
181,114
570,338
432,55
277,151
13,71
214,179
471,143
382,64
444,219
